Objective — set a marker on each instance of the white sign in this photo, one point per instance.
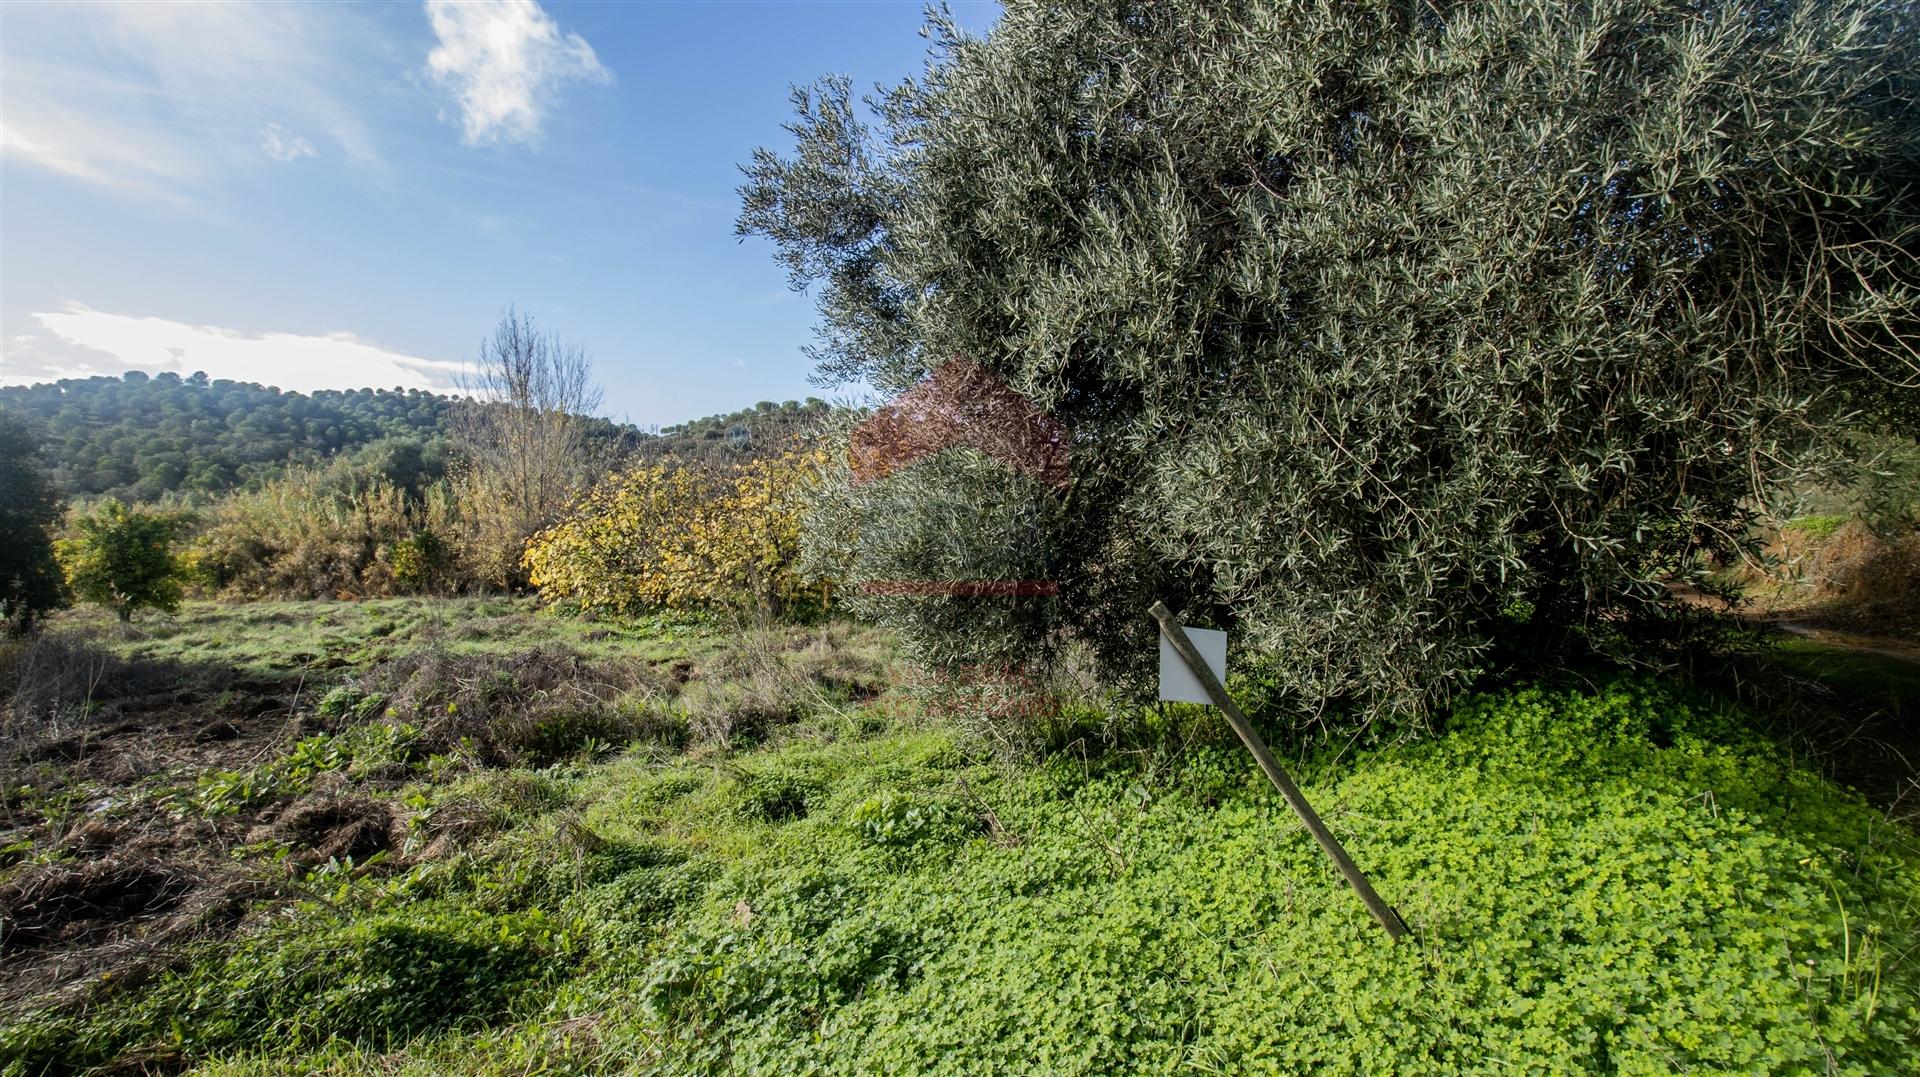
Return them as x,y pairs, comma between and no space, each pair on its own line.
1177,682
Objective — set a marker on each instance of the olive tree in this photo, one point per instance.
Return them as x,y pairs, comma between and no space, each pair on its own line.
1387,333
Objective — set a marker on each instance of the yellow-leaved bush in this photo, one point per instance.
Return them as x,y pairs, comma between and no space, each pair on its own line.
673,536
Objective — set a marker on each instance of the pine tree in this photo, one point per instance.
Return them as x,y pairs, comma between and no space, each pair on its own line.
30,583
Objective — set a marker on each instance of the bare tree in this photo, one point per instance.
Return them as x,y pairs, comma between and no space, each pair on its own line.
523,440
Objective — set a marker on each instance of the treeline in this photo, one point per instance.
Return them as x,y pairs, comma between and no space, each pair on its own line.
669,534
192,439
140,438
763,429
154,488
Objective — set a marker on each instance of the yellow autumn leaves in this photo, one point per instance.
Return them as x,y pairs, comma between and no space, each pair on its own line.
680,537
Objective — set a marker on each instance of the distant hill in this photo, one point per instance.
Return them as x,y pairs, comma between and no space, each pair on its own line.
143,438
764,429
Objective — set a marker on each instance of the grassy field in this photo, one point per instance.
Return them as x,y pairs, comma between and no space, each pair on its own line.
312,637
431,837
1857,673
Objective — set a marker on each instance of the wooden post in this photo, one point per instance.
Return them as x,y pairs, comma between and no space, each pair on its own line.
1183,646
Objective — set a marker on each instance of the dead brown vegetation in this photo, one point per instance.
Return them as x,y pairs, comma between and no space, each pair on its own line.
769,678
1869,581
530,707
1854,579
324,826
118,901
111,868
116,884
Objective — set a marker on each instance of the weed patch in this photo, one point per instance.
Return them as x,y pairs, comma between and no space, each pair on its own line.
536,707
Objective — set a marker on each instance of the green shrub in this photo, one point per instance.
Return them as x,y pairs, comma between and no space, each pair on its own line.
423,562
123,558
346,700
777,795
902,820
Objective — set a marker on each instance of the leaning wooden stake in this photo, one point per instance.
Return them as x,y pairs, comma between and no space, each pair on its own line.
1183,646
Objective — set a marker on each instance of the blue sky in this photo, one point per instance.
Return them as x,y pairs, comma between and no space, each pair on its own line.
334,195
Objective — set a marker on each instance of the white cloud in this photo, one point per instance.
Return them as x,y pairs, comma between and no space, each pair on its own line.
19,143
74,145
79,342
170,98
505,61
283,145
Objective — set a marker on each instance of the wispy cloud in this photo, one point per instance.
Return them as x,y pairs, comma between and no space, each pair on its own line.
168,98
97,151
78,342
504,62
18,143
283,145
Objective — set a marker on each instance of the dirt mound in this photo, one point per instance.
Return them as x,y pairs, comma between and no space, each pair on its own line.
530,706
1850,578
322,827
67,902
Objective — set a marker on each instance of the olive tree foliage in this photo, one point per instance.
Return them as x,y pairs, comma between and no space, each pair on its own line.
30,508
907,549
1387,332
524,441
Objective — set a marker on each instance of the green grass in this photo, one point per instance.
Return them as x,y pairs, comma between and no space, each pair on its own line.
1856,673
1623,879
287,638
1819,527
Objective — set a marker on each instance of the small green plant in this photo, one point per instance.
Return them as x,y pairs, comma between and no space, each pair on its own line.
776,795
900,820
349,701
226,791
361,751
123,558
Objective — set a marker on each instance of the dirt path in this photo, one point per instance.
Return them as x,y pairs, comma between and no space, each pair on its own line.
1900,650
1798,623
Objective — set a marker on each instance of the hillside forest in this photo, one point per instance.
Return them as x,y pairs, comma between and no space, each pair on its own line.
168,439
